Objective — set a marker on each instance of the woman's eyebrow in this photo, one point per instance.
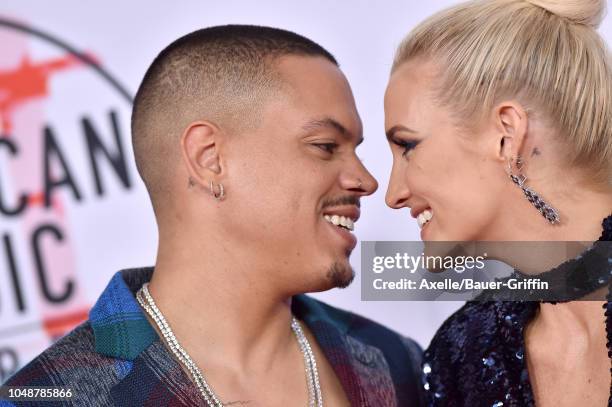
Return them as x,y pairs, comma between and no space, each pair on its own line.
391,132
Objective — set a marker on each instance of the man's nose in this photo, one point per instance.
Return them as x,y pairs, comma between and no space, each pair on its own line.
359,180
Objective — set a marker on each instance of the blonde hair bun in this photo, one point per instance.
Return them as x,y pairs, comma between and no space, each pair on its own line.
545,53
586,12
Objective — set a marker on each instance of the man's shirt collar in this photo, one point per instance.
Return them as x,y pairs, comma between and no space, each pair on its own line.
120,327
121,330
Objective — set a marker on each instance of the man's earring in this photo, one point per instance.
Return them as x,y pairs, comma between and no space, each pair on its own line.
218,195
519,179
191,183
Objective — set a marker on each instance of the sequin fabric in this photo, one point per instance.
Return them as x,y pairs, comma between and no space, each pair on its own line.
477,357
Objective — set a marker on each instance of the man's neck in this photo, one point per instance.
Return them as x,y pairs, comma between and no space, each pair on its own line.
219,312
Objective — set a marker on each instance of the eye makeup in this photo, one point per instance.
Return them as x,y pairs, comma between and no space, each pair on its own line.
406,145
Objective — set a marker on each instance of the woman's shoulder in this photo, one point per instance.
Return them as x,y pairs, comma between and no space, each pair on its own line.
471,342
472,321
478,324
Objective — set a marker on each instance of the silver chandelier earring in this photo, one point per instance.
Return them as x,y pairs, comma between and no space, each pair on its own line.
218,195
545,209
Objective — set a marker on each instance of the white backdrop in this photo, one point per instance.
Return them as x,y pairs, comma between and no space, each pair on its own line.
102,233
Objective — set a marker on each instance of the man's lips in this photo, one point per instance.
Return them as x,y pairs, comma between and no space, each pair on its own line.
349,239
349,211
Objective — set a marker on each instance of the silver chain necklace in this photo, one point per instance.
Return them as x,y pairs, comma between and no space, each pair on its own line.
315,399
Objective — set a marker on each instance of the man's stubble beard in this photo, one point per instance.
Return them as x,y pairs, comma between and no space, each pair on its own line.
340,275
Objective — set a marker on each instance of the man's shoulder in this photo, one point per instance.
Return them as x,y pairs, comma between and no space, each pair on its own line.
73,356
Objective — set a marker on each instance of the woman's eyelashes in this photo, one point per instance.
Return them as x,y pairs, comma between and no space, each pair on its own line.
407,145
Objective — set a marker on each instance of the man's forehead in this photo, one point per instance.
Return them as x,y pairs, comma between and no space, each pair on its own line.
314,97
313,75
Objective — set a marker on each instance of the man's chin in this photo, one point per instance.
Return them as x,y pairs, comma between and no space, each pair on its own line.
340,275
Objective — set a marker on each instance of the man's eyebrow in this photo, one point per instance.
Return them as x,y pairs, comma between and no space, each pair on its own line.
330,123
391,132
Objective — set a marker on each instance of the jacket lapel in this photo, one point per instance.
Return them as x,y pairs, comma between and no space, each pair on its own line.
160,380
362,369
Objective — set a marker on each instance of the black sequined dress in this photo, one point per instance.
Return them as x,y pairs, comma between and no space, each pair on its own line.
477,357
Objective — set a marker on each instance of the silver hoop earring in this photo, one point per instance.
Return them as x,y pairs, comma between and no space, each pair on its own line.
218,196
549,213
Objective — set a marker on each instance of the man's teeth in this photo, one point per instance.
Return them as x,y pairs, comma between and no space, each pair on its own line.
424,217
343,221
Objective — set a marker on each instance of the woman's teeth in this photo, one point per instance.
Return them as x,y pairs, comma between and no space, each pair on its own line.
341,221
424,217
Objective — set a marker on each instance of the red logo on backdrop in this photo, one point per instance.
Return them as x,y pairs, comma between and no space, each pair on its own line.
60,133
27,81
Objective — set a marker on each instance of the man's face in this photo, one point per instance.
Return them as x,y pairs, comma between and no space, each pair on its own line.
290,176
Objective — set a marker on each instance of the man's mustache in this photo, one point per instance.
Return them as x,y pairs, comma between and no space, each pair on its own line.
345,200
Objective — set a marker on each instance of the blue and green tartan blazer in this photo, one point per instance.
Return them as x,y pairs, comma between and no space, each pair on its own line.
117,358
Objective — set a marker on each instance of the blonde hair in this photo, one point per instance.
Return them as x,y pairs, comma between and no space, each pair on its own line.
545,53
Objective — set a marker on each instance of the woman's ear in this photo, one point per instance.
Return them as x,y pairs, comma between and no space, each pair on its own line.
199,148
511,122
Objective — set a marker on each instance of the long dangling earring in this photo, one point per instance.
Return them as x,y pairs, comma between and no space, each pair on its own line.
545,209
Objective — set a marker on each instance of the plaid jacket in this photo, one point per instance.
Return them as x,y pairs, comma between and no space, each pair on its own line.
117,358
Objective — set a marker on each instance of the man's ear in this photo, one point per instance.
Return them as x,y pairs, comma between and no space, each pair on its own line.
199,148
511,123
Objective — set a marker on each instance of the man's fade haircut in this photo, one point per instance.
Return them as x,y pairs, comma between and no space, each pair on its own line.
222,74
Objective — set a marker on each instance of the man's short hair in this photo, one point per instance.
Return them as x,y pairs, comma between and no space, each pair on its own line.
222,74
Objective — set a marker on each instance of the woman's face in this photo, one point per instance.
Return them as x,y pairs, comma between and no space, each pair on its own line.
438,167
